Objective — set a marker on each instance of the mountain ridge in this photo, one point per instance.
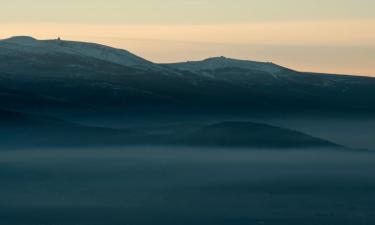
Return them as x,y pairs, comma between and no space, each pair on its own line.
221,85
126,58
85,49
223,61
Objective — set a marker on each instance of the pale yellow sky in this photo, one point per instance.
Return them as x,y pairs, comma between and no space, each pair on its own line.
335,36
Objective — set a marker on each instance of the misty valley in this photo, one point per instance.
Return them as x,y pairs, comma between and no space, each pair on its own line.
149,185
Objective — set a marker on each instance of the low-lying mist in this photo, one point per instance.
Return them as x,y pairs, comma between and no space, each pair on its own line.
116,186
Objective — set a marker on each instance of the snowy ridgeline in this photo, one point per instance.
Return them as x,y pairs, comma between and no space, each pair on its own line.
17,45
23,44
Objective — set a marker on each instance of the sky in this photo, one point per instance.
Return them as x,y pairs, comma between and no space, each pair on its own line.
333,36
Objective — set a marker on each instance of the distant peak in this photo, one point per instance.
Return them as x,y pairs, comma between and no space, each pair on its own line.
218,57
226,61
27,38
220,62
233,60
21,40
